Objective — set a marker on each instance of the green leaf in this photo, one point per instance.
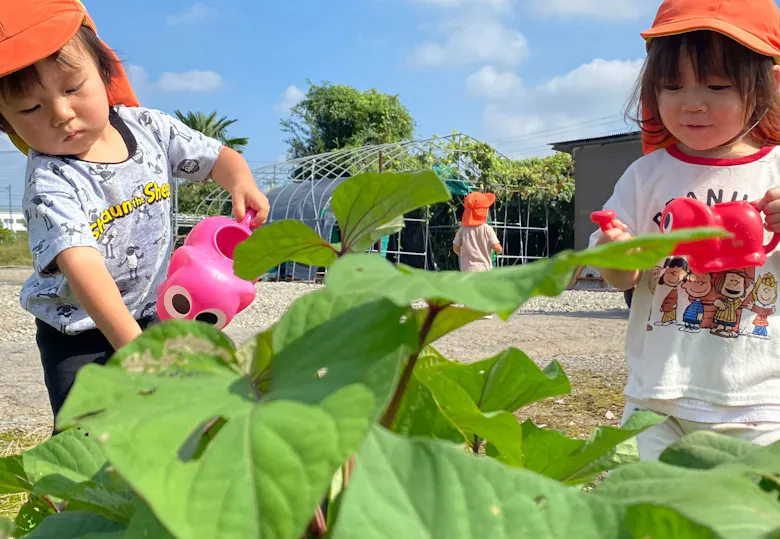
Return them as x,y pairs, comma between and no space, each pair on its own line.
366,204
272,457
572,461
417,488
498,428
255,357
178,346
649,521
71,466
515,381
730,505
13,478
642,252
144,525
705,449
447,320
77,525
279,242
31,514
502,290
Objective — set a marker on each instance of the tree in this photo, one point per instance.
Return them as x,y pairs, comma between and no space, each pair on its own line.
334,117
214,128
190,194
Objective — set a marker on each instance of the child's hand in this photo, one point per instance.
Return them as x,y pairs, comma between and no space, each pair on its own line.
770,205
617,233
246,196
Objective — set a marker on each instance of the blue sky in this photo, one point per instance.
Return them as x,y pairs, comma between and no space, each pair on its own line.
516,73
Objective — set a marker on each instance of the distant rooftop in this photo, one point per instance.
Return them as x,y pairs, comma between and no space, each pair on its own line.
568,146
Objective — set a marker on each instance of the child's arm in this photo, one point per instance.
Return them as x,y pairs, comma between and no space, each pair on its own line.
232,173
620,279
97,293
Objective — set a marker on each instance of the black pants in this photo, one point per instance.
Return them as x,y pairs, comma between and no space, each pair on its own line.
63,355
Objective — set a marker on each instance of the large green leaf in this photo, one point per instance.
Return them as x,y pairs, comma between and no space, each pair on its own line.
731,505
498,428
71,466
32,513
13,478
371,201
652,521
77,525
272,458
447,320
706,449
578,461
416,488
279,242
502,290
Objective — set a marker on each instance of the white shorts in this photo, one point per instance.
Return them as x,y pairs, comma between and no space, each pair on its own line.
652,442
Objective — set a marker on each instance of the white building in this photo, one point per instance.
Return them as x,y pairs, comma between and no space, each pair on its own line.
13,220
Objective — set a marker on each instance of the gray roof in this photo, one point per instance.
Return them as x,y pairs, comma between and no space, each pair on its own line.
568,146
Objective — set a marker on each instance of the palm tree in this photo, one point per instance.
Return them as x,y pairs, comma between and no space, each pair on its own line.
214,128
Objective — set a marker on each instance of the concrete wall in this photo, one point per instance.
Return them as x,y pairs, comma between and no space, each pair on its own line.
597,168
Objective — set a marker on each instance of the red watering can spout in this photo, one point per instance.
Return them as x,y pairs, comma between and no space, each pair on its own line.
604,219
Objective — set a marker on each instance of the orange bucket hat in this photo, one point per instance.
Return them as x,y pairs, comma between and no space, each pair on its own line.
476,206
753,23
31,30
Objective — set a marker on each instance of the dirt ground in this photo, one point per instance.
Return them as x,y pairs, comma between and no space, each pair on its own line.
588,345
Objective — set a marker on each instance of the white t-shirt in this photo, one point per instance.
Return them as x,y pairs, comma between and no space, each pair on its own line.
476,245
701,347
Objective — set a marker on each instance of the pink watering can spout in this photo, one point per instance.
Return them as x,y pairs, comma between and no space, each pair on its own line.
201,284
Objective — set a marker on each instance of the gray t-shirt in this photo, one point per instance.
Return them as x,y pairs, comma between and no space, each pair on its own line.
122,209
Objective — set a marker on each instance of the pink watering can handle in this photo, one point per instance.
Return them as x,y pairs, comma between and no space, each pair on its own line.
248,216
774,242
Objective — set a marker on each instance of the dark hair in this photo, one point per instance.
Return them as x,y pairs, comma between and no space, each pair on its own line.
712,54
20,82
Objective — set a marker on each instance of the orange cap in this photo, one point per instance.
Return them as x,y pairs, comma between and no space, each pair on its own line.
753,23
31,30
476,207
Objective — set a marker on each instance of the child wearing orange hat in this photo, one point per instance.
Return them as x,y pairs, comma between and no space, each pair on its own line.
708,104
475,239
97,196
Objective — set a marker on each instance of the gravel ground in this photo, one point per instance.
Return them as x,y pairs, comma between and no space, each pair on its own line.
582,330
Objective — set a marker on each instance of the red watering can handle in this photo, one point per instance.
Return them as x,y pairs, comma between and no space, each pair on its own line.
248,216
773,243
603,218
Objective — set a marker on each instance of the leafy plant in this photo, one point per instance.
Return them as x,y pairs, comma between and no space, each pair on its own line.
343,420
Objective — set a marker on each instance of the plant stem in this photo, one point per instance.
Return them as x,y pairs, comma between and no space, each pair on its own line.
477,443
395,403
346,472
318,526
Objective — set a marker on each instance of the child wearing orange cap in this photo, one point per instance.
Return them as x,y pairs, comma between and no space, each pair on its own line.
708,104
475,239
98,185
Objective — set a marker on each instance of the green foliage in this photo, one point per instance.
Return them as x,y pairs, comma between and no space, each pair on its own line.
343,420
14,250
333,117
213,127
191,194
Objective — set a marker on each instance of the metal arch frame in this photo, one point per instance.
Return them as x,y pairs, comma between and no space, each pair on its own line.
298,174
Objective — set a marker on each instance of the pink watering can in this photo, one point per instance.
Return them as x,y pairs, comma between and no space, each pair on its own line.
743,249
201,284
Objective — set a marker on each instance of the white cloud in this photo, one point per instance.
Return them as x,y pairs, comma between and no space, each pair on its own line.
587,101
291,97
491,83
188,81
600,9
495,4
472,39
194,14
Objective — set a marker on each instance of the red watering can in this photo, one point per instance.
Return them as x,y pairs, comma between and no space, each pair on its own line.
743,248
